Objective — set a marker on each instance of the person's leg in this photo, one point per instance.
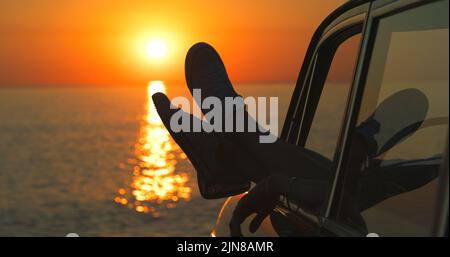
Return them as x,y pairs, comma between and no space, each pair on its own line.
225,157
206,72
215,177
285,158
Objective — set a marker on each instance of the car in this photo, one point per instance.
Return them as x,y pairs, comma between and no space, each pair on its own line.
385,60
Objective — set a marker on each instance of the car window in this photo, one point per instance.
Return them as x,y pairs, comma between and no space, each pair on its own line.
326,124
402,126
327,99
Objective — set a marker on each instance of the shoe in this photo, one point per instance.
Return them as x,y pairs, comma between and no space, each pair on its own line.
208,153
205,70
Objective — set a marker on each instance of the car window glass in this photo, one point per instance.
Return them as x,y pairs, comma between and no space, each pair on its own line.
326,125
402,126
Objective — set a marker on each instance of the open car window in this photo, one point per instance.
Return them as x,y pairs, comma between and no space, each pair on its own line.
328,93
333,96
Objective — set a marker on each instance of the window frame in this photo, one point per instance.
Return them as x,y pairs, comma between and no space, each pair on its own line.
333,33
318,77
346,15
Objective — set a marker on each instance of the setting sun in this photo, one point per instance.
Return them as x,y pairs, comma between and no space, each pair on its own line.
156,49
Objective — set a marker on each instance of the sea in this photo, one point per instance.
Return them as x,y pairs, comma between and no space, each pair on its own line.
97,161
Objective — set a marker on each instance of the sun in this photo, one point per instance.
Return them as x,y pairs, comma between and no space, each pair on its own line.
156,49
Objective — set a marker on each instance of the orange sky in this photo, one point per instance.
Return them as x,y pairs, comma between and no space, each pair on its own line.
46,42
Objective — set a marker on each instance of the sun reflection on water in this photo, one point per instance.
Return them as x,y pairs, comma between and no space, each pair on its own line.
155,183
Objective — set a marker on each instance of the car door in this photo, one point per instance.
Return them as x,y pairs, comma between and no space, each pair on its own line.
399,185
402,64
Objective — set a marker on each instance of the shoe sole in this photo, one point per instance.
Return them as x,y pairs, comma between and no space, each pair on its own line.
190,57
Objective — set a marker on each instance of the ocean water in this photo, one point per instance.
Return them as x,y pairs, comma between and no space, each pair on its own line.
98,162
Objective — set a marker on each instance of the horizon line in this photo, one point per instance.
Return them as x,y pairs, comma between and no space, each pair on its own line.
84,85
